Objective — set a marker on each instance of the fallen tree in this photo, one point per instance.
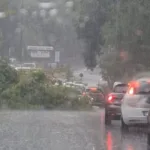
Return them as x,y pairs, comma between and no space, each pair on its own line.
33,89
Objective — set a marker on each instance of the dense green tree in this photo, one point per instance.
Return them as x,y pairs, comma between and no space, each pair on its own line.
128,29
90,18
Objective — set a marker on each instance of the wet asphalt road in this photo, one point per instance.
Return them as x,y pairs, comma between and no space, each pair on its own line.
64,130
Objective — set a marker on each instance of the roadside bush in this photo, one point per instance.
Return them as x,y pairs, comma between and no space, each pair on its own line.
82,103
38,76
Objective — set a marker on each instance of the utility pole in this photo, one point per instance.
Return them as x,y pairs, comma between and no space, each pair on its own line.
21,32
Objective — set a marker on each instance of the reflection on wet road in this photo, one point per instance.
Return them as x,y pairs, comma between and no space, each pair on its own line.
65,130
111,137
134,139
129,141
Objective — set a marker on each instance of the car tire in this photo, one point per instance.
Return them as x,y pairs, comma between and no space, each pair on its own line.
107,119
124,127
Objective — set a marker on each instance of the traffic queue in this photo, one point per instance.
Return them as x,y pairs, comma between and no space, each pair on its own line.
129,103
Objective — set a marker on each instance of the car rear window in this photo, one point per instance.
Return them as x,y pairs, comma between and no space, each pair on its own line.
93,90
120,88
144,88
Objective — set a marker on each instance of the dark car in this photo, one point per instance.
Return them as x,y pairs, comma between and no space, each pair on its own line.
113,102
96,94
148,123
148,132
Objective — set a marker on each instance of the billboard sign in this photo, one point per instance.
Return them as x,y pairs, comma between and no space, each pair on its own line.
41,48
40,54
40,51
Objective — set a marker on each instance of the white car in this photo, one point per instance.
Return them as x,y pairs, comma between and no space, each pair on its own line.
136,103
26,66
29,65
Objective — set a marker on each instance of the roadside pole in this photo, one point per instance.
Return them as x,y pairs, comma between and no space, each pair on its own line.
57,57
21,33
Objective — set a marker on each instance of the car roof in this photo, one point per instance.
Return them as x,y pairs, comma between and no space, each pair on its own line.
143,79
140,80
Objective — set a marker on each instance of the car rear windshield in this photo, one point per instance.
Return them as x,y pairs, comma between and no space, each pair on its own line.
144,88
120,88
93,91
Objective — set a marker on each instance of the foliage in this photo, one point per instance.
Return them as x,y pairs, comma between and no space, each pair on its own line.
81,75
38,76
69,74
123,26
27,94
30,89
8,76
83,102
90,18
110,67
4,5
127,29
120,25
113,68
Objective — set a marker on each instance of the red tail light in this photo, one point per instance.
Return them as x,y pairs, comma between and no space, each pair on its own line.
131,91
132,86
110,98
